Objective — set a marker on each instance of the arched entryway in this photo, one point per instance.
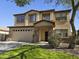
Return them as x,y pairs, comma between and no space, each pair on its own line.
42,29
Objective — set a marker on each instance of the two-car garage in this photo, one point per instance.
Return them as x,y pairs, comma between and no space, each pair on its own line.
22,33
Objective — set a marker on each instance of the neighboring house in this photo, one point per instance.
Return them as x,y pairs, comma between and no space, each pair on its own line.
4,32
34,25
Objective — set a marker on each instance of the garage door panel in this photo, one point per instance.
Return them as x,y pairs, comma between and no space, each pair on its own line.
23,36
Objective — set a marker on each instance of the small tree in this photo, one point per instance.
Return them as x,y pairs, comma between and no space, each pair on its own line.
54,40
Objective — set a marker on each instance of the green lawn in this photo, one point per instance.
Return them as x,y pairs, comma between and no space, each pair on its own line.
36,52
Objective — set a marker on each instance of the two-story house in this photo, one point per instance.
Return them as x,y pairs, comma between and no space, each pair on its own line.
34,25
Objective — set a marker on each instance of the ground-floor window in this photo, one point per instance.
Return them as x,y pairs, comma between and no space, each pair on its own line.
62,32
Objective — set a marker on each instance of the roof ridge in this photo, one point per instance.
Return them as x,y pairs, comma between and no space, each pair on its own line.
68,10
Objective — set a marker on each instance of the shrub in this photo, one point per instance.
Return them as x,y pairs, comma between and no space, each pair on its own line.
54,40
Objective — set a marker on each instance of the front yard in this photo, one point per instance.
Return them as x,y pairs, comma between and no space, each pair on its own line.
35,52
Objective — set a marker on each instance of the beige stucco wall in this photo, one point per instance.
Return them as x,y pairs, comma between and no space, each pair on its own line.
26,20
20,24
52,16
25,36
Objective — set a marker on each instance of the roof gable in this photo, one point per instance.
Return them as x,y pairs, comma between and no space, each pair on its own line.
44,23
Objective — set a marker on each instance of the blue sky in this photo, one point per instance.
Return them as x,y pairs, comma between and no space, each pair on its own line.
7,9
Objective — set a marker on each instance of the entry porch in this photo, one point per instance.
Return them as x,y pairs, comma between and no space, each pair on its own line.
42,30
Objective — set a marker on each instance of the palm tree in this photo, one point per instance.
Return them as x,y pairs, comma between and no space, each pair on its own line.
74,6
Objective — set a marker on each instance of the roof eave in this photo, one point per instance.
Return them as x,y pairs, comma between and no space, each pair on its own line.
64,10
19,26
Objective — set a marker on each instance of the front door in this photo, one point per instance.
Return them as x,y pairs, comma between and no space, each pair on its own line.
46,36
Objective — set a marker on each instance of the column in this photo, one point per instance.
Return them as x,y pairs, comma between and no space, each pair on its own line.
36,36
50,31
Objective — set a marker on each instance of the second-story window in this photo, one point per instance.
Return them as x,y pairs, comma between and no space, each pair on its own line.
32,17
61,16
20,18
46,16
